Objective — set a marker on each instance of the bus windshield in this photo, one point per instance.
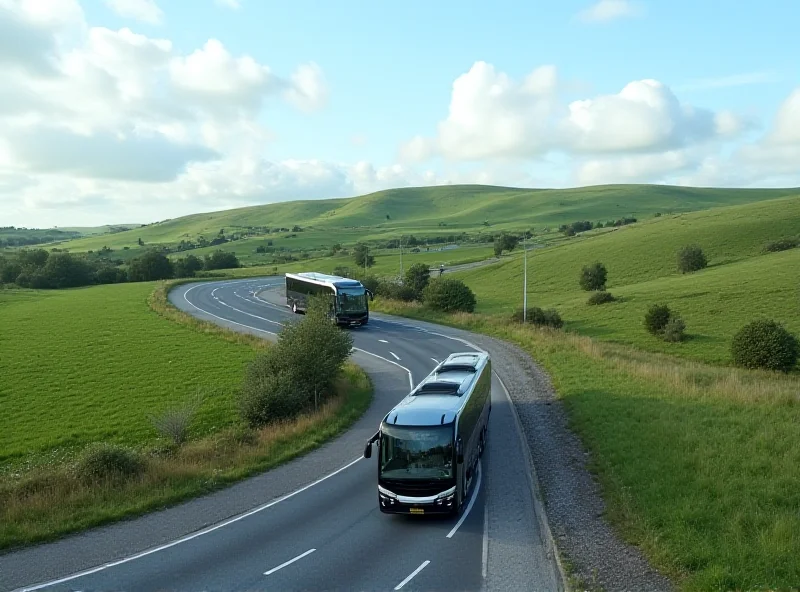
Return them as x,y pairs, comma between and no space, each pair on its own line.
352,299
416,452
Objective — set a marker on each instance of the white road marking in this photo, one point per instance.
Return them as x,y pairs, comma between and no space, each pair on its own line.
411,577
471,503
383,341
410,376
396,357
188,537
485,554
437,362
282,565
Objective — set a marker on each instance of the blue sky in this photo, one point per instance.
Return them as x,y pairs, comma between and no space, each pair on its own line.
388,74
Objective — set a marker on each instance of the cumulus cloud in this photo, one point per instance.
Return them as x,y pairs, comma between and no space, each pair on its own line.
146,11
493,116
605,11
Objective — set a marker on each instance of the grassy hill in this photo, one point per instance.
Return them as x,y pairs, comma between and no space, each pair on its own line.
436,210
740,284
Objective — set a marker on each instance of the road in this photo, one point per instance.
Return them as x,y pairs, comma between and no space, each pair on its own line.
314,524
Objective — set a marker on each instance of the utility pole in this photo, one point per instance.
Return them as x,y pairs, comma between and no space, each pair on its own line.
366,258
401,256
525,281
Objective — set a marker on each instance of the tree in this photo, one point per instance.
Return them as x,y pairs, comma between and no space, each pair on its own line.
593,277
149,267
765,344
63,270
449,295
220,260
506,242
336,248
362,257
330,346
188,266
418,276
691,258
141,242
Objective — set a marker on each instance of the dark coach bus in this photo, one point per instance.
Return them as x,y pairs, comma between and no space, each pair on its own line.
430,443
348,297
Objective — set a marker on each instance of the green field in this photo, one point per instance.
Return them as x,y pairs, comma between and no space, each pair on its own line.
740,284
421,211
91,364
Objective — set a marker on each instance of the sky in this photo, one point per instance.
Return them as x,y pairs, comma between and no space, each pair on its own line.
134,111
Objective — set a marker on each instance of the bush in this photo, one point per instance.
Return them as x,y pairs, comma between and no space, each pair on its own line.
540,317
691,258
449,295
783,244
268,396
600,298
593,277
174,423
108,461
150,267
417,278
656,319
765,344
674,329
395,291
279,384
220,260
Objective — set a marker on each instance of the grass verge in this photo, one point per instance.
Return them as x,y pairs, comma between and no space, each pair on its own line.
698,464
41,501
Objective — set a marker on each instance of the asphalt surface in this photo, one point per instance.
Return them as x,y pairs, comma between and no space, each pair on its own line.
314,524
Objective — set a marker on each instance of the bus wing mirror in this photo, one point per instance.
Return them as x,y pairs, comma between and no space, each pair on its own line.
459,452
371,295
368,449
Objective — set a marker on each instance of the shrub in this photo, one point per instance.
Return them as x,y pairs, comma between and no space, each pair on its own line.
268,396
174,423
220,260
449,295
149,267
540,317
593,277
783,244
108,461
417,278
600,298
656,319
765,344
395,291
674,329
691,258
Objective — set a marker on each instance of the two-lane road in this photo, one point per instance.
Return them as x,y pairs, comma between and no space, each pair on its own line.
328,533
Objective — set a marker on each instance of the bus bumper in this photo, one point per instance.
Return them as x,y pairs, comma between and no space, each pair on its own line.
391,503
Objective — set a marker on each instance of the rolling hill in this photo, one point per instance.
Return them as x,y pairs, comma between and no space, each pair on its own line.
741,282
429,211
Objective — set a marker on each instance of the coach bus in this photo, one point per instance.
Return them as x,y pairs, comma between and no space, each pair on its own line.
429,444
349,304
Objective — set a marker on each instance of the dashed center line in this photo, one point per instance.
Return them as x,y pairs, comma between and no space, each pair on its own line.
396,357
282,565
411,577
383,341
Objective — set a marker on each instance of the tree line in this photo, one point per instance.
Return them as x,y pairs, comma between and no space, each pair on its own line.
43,270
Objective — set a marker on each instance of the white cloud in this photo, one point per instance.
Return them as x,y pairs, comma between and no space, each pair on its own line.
492,116
146,11
605,11
639,168
308,89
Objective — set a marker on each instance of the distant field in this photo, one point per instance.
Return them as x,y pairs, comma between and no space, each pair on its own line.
423,210
91,364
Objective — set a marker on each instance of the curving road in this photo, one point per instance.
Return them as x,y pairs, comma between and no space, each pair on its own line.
314,524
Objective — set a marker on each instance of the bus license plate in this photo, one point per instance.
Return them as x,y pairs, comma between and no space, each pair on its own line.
417,510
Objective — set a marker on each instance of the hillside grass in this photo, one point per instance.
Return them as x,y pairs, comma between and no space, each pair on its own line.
698,464
740,284
89,365
421,210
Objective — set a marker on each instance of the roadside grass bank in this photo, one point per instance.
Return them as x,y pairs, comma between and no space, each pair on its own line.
93,365
698,464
